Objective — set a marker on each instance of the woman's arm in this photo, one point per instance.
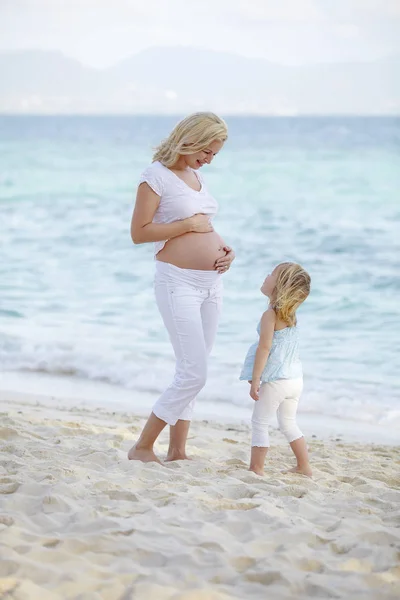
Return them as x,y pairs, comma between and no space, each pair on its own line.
144,230
267,329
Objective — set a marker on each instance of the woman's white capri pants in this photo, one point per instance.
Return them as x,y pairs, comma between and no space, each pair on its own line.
190,302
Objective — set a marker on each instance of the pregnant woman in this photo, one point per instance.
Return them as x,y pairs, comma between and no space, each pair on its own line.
175,210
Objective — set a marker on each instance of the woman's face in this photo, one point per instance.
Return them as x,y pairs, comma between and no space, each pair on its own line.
197,160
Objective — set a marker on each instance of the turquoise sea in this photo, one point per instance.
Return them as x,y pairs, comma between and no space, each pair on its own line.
76,297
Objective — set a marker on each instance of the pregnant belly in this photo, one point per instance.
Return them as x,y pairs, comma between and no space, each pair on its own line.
197,251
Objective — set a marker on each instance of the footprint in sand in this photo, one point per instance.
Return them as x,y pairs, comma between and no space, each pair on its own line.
266,577
7,433
6,520
8,485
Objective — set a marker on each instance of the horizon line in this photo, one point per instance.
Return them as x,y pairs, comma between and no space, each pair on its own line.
226,114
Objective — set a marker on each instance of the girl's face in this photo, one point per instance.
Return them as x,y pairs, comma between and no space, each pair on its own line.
197,160
269,284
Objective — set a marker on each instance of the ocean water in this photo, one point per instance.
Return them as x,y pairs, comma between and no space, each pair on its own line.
76,297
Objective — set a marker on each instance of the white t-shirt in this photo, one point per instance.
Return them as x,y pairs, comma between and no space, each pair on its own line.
178,201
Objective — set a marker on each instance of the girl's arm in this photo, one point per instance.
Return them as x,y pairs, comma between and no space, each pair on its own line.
144,230
267,329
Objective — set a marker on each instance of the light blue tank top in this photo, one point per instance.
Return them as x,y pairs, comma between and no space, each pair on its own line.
283,360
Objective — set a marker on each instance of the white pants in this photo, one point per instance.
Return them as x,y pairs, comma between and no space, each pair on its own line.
279,398
190,303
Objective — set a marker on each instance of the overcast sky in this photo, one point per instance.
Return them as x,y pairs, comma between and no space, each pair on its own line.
99,32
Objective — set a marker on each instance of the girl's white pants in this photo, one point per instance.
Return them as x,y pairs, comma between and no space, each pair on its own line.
279,398
190,302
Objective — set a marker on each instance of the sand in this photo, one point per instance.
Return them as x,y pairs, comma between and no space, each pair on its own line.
78,520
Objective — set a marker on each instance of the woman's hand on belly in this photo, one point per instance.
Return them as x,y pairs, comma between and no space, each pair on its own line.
200,223
223,263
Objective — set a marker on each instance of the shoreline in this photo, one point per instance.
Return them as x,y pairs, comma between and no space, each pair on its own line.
92,395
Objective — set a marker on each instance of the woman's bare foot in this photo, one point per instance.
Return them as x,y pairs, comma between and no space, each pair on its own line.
257,470
144,454
300,470
176,455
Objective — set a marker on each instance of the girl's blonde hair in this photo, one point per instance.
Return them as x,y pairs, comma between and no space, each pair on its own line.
291,289
191,135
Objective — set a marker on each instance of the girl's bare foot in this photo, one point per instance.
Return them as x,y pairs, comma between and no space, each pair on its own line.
257,470
144,454
300,470
176,455
257,459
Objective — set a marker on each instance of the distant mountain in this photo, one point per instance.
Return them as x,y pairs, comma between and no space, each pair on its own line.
177,80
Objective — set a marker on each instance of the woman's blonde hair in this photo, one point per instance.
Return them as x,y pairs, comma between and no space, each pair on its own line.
291,289
191,135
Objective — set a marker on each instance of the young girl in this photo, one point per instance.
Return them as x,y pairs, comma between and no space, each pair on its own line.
273,367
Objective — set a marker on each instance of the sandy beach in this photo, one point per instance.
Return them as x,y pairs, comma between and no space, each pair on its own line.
79,521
